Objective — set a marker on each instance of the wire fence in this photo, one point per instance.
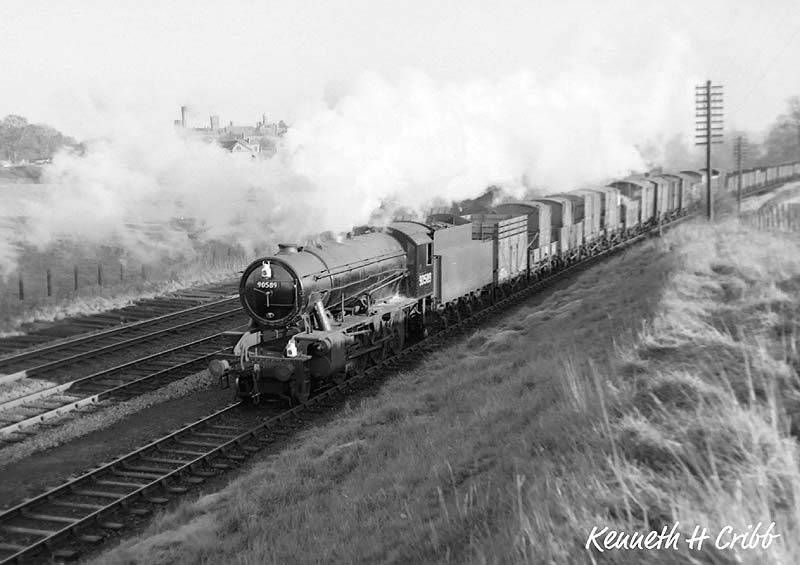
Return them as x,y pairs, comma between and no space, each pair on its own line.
50,279
783,217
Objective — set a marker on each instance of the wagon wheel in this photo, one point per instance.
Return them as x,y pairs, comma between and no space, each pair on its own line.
453,315
441,321
463,308
469,307
301,390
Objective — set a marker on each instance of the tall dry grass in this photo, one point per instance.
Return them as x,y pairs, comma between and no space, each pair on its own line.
701,416
656,388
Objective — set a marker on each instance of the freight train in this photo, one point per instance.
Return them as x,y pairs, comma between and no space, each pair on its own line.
323,312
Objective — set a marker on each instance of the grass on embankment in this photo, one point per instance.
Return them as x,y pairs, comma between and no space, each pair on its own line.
571,413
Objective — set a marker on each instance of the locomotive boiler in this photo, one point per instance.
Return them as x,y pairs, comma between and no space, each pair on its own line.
301,282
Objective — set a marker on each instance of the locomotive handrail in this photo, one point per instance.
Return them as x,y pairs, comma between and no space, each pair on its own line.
400,276
367,290
357,264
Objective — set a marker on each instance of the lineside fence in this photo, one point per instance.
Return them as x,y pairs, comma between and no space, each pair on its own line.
782,217
47,278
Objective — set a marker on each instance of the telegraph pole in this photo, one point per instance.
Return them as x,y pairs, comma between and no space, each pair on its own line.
739,151
708,127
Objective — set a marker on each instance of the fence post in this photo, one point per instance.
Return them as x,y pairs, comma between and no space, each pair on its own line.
100,274
21,287
49,283
121,273
144,274
75,276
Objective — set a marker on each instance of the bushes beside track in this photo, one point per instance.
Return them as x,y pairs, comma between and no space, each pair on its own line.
657,387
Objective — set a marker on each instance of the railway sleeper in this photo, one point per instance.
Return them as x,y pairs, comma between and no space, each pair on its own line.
198,443
136,372
89,388
94,539
47,404
188,452
112,483
139,475
28,531
164,460
108,383
158,471
49,517
213,435
76,505
176,489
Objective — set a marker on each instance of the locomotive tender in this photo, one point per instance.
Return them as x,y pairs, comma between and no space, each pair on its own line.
322,312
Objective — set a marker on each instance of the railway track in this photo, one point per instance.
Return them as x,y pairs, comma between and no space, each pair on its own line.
20,415
44,359
142,311
89,508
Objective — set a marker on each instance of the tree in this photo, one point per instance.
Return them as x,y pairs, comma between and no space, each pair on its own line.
783,139
20,140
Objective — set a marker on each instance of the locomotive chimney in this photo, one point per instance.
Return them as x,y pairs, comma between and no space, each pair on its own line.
184,110
288,248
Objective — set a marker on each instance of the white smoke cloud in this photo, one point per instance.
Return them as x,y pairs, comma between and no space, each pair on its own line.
405,140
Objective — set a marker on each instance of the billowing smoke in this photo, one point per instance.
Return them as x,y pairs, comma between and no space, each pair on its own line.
393,142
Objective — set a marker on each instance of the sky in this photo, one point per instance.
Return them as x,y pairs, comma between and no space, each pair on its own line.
67,62
393,107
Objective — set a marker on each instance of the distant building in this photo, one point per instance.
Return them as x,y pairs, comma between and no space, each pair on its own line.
239,147
259,141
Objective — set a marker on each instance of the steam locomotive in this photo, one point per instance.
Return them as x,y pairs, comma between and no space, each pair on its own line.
323,312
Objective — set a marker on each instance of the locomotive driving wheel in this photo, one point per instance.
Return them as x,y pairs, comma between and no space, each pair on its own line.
360,364
361,361
397,338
